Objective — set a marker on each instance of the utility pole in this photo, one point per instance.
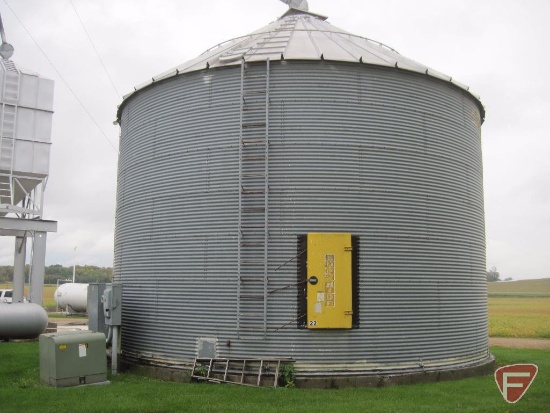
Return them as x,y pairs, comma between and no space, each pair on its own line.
74,265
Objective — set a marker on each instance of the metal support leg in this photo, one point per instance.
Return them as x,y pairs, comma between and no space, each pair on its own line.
38,266
19,269
114,351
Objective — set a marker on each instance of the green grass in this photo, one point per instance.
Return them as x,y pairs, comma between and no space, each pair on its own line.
21,391
82,317
47,296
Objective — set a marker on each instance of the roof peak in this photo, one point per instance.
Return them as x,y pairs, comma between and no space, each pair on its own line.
296,12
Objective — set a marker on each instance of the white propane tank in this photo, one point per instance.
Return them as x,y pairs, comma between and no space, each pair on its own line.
22,320
73,297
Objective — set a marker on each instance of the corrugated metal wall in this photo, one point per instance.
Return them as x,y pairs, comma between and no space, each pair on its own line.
392,157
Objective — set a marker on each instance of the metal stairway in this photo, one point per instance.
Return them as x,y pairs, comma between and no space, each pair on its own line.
277,41
8,124
11,82
253,201
246,372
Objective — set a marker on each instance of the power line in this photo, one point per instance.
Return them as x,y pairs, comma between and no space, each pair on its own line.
95,50
63,79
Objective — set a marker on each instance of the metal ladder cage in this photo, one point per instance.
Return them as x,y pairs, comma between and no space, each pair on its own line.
8,127
253,228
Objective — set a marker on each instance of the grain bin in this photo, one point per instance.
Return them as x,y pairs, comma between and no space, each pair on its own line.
284,174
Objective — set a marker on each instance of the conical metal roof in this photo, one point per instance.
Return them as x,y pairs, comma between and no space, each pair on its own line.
301,35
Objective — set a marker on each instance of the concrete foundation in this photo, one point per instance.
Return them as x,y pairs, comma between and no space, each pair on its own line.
385,380
336,382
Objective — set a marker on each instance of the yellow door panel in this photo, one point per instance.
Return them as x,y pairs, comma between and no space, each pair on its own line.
329,290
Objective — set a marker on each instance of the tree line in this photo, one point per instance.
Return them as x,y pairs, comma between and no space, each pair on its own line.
52,273
93,274
493,275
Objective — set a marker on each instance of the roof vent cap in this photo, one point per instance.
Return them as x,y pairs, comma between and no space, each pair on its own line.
297,4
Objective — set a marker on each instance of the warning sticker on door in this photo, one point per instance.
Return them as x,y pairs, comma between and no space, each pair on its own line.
82,350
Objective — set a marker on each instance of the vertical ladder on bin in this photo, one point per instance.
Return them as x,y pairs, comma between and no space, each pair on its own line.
8,124
253,201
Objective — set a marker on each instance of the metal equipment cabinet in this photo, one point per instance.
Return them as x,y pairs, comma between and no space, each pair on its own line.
73,358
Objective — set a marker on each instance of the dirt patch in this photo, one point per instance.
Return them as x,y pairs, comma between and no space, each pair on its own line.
511,342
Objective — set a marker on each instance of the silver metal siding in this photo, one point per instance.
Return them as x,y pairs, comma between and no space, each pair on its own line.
391,156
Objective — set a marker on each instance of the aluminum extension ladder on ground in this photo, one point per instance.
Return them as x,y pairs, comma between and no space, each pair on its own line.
246,372
253,201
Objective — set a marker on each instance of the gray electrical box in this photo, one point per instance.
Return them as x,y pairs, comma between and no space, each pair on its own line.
104,306
73,358
112,304
96,319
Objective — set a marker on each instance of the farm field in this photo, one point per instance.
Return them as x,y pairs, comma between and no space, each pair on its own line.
47,295
519,309
522,288
21,391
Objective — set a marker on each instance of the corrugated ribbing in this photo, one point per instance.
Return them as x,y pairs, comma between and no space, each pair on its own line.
391,156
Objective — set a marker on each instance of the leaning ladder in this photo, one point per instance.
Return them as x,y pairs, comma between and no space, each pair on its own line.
253,201
246,372
8,126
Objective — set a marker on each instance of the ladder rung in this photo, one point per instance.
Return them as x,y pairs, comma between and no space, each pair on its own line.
253,209
253,297
253,174
253,124
253,157
252,327
254,108
254,76
273,40
252,244
251,279
252,192
251,142
254,92
265,46
251,315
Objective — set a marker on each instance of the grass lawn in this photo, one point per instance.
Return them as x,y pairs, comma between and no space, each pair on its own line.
21,391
